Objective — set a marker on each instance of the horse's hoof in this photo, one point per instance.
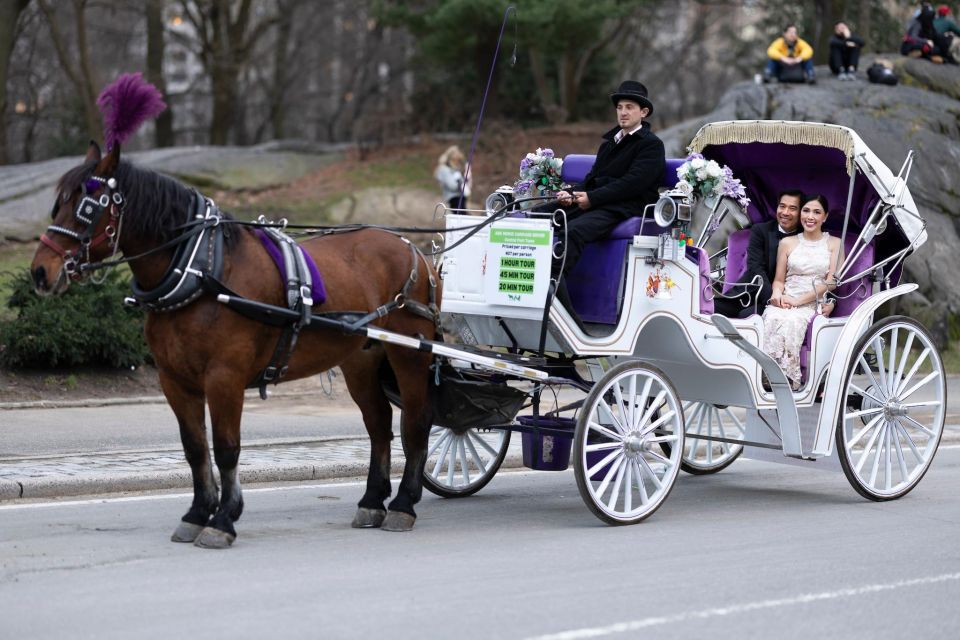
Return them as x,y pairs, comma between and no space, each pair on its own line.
211,538
186,532
368,518
398,521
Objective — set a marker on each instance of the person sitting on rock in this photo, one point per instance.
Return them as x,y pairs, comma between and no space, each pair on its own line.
922,39
949,30
786,51
844,52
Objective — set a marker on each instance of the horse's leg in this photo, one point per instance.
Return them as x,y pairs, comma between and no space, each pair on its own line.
361,374
225,400
188,407
413,376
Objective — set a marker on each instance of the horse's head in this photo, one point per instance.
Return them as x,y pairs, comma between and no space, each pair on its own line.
86,220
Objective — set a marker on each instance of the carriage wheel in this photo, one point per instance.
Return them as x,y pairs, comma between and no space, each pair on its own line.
702,457
461,462
893,416
623,473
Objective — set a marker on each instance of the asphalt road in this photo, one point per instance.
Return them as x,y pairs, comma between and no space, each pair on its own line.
756,551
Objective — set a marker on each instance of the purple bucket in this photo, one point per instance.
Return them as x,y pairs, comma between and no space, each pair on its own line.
547,452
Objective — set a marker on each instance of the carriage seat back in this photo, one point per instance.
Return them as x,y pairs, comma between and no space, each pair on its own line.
737,245
595,284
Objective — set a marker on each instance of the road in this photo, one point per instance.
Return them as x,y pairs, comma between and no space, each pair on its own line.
756,551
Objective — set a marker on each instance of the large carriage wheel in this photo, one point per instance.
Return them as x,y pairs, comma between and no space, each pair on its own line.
460,462
893,416
701,457
623,472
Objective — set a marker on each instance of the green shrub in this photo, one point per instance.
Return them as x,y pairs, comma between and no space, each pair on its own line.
88,325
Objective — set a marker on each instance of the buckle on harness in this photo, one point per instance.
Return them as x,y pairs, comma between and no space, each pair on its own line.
306,294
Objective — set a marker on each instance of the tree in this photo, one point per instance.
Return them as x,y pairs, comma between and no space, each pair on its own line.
76,63
156,45
10,11
226,33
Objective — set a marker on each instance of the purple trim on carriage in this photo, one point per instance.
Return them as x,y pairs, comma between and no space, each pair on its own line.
596,283
319,291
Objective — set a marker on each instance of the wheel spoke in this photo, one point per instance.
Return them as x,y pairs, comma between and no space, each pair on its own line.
893,356
463,461
604,462
930,376
917,425
868,448
862,363
602,407
855,439
615,493
862,412
657,402
913,446
659,421
876,458
436,445
483,443
443,454
638,477
913,370
708,443
901,462
644,465
695,442
452,464
866,394
668,438
903,359
887,468
611,472
603,446
881,367
596,426
641,401
477,458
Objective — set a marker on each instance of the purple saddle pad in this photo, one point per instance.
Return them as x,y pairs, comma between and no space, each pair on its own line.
319,292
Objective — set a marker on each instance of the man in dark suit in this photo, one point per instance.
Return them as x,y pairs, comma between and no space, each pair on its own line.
762,255
623,180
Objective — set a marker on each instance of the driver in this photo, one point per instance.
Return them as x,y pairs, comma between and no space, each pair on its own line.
624,178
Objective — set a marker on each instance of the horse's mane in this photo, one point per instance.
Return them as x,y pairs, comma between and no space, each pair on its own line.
156,204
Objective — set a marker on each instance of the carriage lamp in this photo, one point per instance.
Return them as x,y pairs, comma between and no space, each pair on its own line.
672,206
499,199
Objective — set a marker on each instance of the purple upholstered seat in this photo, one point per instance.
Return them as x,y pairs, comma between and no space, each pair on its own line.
737,245
702,259
596,283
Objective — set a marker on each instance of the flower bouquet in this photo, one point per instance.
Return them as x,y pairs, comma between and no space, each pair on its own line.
539,175
699,178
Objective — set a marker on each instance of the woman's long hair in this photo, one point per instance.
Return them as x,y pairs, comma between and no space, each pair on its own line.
452,157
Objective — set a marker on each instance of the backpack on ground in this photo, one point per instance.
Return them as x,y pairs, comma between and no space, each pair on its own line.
880,74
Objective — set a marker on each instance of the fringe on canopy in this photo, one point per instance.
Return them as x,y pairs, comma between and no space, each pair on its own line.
772,131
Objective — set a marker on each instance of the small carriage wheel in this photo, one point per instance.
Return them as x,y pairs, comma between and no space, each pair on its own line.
622,471
460,462
702,457
893,411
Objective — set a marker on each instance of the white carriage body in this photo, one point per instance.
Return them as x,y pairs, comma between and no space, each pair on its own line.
689,346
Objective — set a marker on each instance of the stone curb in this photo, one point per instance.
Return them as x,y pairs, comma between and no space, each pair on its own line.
99,483
107,402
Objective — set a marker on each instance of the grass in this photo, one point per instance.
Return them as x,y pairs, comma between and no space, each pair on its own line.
14,258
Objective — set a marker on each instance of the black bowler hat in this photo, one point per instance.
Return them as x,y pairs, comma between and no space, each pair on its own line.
632,90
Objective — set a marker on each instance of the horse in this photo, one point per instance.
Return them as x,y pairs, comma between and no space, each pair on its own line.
207,353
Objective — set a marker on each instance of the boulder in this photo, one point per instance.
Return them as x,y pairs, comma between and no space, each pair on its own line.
921,113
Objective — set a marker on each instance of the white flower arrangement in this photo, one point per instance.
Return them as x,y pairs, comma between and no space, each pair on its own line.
704,178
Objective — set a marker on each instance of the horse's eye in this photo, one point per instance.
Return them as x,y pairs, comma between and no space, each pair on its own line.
56,207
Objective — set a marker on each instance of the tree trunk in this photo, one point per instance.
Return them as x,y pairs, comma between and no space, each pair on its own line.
163,127
81,77
865,23
286,10
9,12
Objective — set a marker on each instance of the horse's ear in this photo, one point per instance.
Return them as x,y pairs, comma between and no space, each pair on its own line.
109,164
93,152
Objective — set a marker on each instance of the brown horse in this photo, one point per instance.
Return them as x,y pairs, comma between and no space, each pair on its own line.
207,353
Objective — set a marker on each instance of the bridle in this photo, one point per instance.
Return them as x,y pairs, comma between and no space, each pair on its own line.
90,212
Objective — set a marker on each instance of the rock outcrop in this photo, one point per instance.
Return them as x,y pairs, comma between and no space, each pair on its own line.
921,113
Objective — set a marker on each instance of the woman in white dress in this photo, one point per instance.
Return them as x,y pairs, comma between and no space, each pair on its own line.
806,263
454,177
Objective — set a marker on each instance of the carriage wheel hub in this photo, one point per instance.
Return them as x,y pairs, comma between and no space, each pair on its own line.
634,444
893,409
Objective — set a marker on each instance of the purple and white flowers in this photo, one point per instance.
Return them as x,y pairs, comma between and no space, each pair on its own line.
539,174
706,178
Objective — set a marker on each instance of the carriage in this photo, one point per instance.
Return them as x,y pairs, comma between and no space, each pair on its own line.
655,382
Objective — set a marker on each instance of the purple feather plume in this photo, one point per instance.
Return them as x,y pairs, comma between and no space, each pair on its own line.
126,104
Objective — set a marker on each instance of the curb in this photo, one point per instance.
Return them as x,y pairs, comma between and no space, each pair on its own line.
107,402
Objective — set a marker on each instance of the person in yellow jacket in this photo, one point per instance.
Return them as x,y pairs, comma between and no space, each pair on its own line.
789,50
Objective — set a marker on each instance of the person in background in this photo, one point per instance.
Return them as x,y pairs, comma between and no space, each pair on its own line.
805,266
922,39
454,177
949,30
844,52
787,50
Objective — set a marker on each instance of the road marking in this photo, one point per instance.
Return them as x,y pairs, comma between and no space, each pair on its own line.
703,614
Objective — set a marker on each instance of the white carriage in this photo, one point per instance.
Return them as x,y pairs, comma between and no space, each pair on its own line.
669,384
